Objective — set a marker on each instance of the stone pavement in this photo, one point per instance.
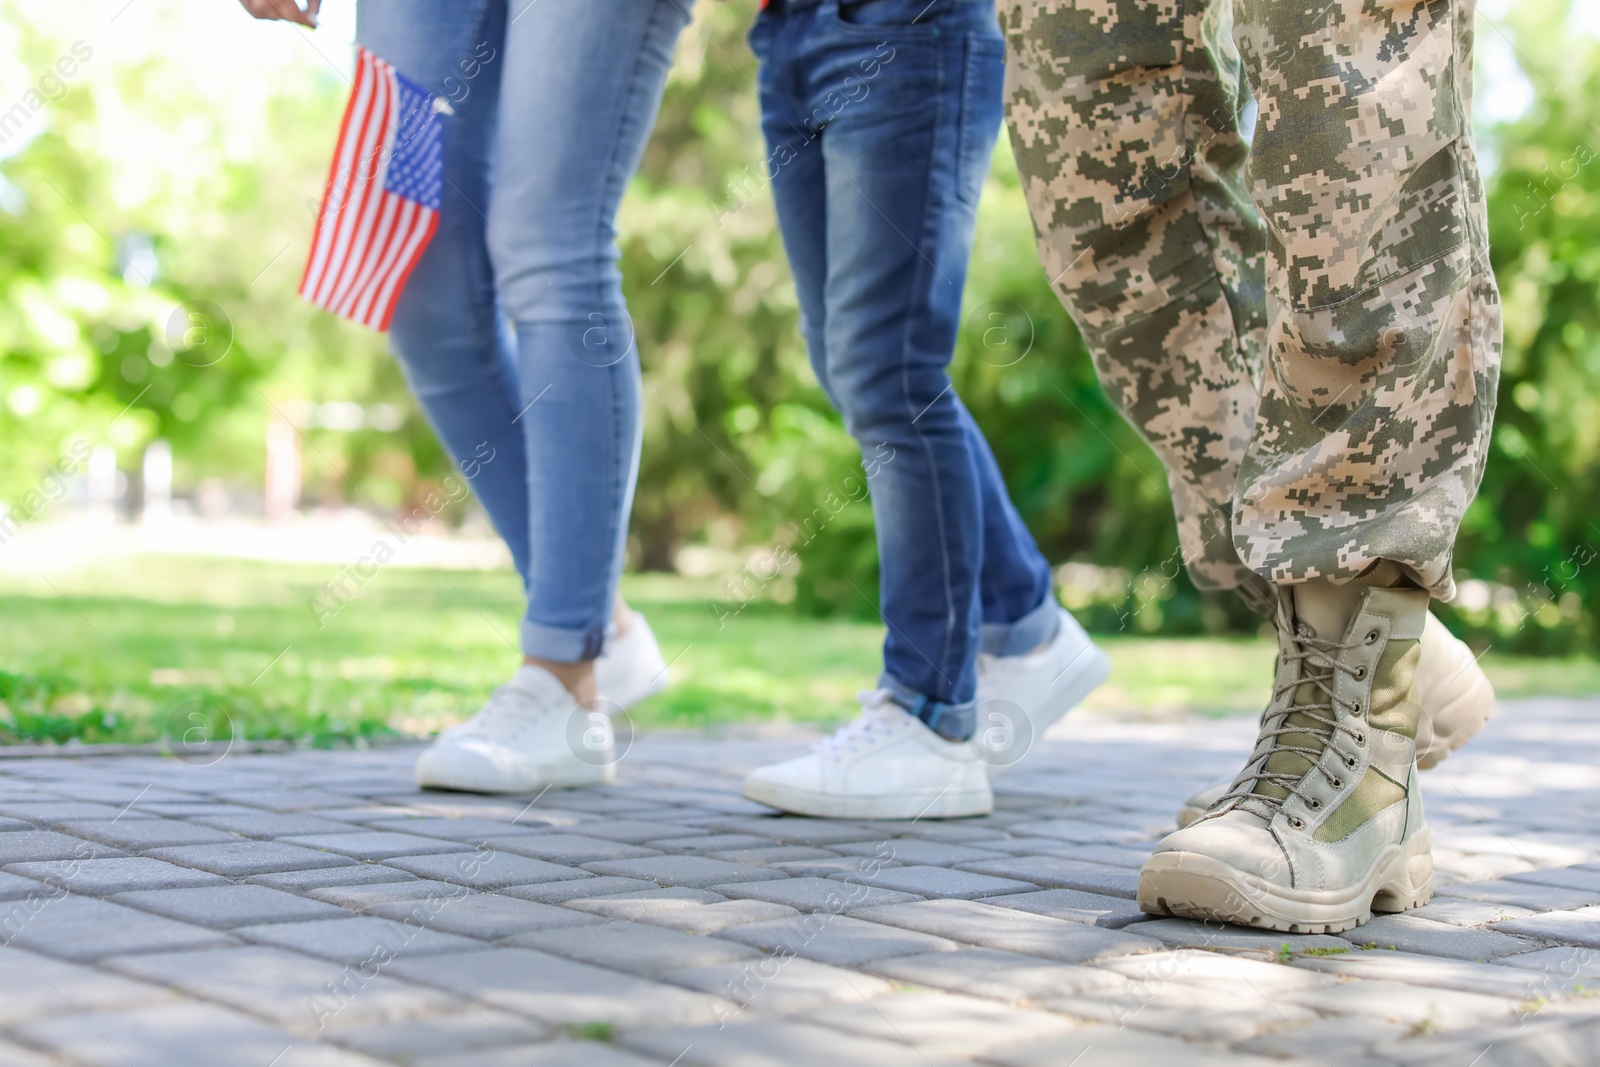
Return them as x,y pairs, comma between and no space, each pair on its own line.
316,910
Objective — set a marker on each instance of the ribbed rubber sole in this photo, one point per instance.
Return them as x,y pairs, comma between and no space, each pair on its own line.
1192,886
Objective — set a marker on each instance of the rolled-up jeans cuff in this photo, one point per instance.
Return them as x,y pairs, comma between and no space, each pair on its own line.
1024,635
953,722
563,646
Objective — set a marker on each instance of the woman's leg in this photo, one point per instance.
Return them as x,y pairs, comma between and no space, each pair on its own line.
447,332
579,94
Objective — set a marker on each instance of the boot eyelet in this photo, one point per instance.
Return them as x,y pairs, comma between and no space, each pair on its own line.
1297,822
1314,804
1352,763
1361,672
1372,637
1355,709
1361,739
1337,783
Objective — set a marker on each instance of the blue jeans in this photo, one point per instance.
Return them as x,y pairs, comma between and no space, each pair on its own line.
512,330
880,118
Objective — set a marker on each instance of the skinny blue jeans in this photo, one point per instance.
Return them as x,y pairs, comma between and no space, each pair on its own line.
512,330
880,118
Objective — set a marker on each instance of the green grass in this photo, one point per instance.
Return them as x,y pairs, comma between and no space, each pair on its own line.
211,648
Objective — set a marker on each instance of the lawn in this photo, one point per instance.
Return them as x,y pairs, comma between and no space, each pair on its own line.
163,646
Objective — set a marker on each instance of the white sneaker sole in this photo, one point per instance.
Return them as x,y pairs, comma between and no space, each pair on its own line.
1194,886
943,804
1091,673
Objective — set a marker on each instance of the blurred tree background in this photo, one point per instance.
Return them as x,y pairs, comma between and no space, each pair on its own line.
166,174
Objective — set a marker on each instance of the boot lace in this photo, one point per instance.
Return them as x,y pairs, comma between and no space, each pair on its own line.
880,714
1320,666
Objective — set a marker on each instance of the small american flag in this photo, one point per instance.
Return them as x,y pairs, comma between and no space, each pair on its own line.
381,205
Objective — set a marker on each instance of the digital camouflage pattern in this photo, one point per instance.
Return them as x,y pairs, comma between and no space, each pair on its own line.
1305,328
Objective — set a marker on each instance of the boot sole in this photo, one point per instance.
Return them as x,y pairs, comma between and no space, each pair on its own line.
1051,711
948,804
1192,886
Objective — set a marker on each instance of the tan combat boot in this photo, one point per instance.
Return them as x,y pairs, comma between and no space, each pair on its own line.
1324,825
1456,700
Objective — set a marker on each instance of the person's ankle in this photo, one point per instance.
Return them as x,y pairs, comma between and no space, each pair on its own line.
622,618
576,677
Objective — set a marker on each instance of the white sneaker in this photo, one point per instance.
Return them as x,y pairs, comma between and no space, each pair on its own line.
885,765
631,668
529,736
1020,697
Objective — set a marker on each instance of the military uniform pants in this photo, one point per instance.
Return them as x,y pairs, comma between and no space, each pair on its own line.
1302,322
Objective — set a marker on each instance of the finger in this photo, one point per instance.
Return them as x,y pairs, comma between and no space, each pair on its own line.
313,8
289,11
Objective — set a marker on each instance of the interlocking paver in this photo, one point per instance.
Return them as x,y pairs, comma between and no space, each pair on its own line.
836,939
136,835
1530,894
914,850
356,939
265,824
466,830
554,1054
1015,931
942,1024
694,871
1431,971
988,972
485,869
1325,1040
930,881
753,1042
1223,937
1467,912
1059,873
1231,1014
644,902
82,928
466,1032
1573,963
1113,913
558,990
37,986
1580,927
709,918
1409,934
569,848
16,887
374,844
361,897
779,985
578,889
61,812
354,874
225,906
1409,1004
794,830
482,915
238,859
114,874
814,894
32,846
637,948
1214,970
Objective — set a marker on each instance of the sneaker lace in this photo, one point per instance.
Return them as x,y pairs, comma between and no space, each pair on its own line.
879,715
506,714
1318,719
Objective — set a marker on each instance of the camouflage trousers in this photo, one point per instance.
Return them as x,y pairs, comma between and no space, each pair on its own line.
1301,321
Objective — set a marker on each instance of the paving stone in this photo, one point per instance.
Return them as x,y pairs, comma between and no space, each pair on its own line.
7,825
1467,912
1225,937
644,902
556,1054
16,887
1524,1042
33,846
181,1034
845,866
1058,873
359,898
62,812
774,854
36,986
1566,963
987,972
1407,1004
1531,895
485,869
637,948
292,990
360,940
814,894
753,1042
797,830
13,1055
1074,905
374,844
1325,1040
576,889
82,928
911,850
114,874
836,939
569,848
709,918
938,1023
779,985
304,881
262,824
1408,934
466,830
482,915
287,801
1584,877
1432,972
709,844
1231,1014
136,835
985,925
1214,970
468,1032
1580,927
559,991
632,831
941,882
694,871
225,906
239,859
